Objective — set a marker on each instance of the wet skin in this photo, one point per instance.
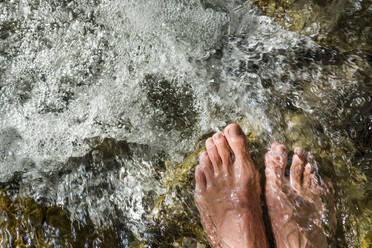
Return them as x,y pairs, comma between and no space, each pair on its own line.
227,195
300,204
228,192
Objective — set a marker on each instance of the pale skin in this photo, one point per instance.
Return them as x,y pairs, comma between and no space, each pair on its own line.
228,195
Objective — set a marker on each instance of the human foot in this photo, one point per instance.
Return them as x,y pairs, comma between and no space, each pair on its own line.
227,192
300,204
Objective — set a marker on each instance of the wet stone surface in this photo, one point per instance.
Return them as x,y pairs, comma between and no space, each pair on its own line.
105,105
343,24
174,104
24,223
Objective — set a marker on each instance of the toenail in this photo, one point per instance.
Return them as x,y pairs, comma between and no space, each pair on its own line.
309,157
218,138
280,149
273,145
235,130
300,152
209,143
279,154
217,135
203,155
308,168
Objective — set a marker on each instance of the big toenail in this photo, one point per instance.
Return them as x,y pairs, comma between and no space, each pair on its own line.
273,145
235,131
280,154
280,149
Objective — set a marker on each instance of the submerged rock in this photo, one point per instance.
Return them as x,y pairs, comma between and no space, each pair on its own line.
175,211
150,88
132,209
24,223
367,241
338,23
141,201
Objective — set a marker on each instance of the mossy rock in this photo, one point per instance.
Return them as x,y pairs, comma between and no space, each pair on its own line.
343,24
175,219
25,223
367,241
175,212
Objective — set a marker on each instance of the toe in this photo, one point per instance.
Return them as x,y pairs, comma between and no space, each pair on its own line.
307,176
213,155
244,169
297,169
207,168
310,176
276,159
223,151
237,142
317,182
200,180
312,183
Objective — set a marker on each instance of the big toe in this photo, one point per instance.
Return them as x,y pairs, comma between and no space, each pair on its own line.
244,167
276,158
275,161
237,141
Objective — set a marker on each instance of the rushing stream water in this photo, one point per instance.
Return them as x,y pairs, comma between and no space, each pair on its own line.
104,106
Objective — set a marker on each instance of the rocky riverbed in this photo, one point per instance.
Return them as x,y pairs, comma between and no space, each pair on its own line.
105,105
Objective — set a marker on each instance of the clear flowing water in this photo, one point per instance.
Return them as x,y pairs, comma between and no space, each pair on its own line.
104,105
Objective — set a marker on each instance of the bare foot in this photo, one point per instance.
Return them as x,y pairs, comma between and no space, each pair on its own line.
227,192
300,205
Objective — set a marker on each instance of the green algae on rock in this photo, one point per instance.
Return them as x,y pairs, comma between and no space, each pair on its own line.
25,223
367,241
175,211
299,131
343,24
171,216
